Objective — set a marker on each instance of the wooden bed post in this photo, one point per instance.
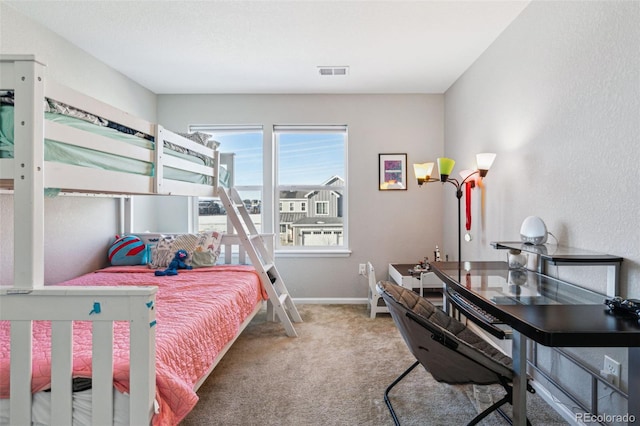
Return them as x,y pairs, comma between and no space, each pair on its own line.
29,174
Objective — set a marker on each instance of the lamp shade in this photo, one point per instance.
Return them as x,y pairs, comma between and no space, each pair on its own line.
445,167
484,161
423,172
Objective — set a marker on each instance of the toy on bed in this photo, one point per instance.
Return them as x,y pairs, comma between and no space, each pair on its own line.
176,263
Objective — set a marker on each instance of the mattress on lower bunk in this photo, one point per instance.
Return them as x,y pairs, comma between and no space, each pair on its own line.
70,154
197,311
82,409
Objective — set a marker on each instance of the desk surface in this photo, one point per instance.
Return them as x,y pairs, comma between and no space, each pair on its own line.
548,311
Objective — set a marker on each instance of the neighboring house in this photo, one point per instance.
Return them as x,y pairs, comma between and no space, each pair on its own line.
317,231
312,218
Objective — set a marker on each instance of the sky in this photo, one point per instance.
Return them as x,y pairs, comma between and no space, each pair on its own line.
303,159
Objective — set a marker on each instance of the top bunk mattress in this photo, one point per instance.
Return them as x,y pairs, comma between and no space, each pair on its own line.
198,312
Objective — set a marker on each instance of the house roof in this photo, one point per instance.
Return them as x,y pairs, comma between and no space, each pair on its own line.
333,179
291,217
318,220
291,195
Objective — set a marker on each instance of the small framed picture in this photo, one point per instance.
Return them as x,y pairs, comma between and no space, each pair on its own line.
392,172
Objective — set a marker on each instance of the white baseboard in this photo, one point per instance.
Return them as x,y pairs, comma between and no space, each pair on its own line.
330,301
554,403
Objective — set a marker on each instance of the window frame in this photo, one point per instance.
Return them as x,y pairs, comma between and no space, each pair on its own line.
325,209
318,251
235,129
270,192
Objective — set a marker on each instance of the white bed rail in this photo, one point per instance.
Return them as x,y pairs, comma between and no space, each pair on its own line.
102,306
165,186
26,76
235,252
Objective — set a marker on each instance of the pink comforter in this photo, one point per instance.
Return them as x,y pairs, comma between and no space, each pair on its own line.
197,312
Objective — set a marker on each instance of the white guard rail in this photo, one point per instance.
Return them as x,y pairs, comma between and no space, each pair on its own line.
63,305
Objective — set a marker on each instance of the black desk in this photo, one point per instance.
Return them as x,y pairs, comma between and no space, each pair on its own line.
547,311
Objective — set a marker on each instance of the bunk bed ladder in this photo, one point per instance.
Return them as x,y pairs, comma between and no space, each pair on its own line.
280,302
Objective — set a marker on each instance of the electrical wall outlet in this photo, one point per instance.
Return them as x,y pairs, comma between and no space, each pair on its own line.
611,370
362,269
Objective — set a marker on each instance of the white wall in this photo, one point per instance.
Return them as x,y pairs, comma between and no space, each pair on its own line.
412,124
77,230
557,96
71,66
400,226
160,214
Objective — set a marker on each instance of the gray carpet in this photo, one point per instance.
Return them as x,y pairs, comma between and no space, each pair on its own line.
334,373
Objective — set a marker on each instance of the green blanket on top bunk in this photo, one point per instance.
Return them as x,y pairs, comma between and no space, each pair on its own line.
75,155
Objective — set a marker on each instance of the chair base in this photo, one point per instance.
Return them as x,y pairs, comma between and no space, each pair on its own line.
496,406
395,382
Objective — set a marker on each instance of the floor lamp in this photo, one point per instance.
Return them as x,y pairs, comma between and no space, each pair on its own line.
445,167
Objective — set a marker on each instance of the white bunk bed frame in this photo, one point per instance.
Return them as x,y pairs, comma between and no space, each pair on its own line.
28,300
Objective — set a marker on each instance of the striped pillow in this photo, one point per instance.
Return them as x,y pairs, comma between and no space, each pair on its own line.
128,250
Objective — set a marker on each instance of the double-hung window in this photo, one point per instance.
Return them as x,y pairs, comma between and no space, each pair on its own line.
311,180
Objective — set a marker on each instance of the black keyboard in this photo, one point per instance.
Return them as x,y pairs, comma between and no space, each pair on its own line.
479,316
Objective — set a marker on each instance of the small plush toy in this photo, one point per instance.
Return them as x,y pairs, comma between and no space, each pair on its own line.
176,263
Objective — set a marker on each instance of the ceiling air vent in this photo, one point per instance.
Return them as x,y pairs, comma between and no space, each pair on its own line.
333,70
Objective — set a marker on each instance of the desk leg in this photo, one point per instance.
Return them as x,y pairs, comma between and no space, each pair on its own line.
519,355
634,384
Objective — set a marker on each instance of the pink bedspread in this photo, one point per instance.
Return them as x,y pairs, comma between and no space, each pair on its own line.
198,312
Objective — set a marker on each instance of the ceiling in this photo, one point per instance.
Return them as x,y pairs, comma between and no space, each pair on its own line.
215,46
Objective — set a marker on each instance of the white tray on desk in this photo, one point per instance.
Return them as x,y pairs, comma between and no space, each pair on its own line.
427,283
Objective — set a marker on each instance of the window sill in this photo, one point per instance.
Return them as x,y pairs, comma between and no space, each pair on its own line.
313,253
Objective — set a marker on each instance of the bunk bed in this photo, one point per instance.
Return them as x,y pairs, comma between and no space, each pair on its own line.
119,313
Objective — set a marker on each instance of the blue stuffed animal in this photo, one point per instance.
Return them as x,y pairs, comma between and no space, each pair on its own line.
176,263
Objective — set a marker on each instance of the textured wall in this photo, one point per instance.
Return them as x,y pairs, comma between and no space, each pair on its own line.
78,231
557,96
72,66
391,226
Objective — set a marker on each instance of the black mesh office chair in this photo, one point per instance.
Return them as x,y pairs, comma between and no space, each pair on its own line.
446,348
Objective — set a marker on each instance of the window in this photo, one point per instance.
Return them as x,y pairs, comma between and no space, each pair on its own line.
322,208
311,171
241,148
309,201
